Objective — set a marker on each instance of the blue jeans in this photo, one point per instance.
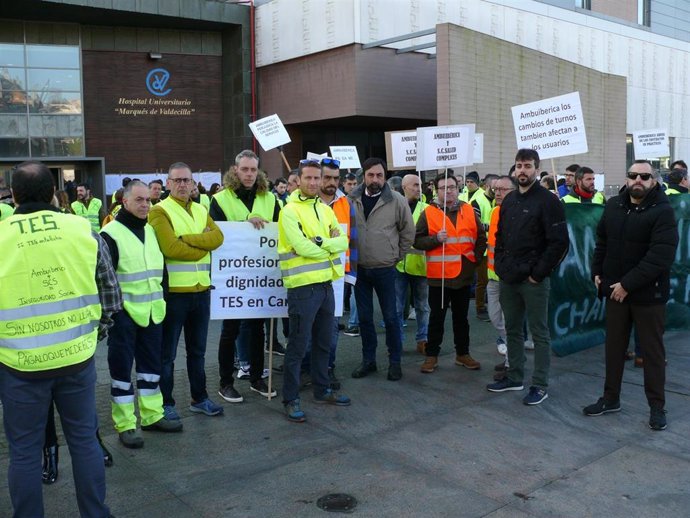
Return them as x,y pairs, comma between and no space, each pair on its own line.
311,311
306,361
420,294
383,281
192,312
25,410
353,321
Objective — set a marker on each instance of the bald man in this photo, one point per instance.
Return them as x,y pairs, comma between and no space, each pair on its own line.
412,270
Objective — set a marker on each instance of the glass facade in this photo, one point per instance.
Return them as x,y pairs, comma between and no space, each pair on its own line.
40,101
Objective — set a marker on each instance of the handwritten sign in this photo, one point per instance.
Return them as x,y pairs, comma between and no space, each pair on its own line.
553,127
270,132
651,143
347,155
445,146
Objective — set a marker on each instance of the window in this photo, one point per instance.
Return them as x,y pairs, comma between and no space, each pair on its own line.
644,13
584,4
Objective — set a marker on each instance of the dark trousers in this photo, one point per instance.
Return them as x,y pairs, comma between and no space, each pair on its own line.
25,411
226,349
191,312
480,289
459,302
649,323
310,309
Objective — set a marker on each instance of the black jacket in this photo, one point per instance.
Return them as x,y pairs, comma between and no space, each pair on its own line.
532,237
636,246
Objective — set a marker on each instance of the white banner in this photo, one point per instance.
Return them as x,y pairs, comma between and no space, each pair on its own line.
347,155
553,127
478,150
270,132
651,143
401,149
445,146
246,274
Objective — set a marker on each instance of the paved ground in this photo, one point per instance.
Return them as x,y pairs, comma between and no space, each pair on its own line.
429,445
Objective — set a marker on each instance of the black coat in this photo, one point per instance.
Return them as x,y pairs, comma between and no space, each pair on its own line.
636,246
532,236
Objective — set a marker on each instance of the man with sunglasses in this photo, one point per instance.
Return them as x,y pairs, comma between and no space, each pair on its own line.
186,235
636,245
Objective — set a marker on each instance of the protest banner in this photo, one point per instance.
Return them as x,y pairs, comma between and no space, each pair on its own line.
651,143
553,127
347,155
439,147
401,150
576,315
478,149
270,132
316,156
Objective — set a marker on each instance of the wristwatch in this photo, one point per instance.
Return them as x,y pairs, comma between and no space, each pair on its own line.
318,240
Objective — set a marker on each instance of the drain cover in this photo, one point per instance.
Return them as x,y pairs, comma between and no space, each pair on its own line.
337,503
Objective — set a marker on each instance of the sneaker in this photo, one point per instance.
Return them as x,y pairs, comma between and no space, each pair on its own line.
229,394
412,315
429,365
483,316
535,396
261,387
163,425
293,411
504,385
394,372
206,407
501,346
467,361
132,439
602,407
364,369
421,347
351,331
170,413
278,349
334,381
529,345
243,373
332,398
657,418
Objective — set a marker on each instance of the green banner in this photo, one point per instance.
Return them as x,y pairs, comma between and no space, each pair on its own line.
576,315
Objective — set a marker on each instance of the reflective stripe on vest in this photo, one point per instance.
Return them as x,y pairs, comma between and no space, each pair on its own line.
49,303
414,262
91,213
491,244
341,208
140,273
446,261
183,274
235,209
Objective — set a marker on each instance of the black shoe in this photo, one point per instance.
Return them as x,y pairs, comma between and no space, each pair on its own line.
334,381
107,456
50,465
131,439
394,372
483,316
230,394
278,349
364,369
602,407
657,418
352,331
341,327
261,387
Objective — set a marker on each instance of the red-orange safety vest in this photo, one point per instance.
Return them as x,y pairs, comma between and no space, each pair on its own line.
341,207
491,243
447,261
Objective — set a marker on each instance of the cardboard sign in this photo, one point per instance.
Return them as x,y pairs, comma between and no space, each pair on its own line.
347,155
401,150
478,149
445,146
270,132
553,127
651,143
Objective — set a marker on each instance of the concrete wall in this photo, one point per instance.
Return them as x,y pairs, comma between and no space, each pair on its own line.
481,77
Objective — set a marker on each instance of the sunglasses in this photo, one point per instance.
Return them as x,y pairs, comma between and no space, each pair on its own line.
644,176
331,161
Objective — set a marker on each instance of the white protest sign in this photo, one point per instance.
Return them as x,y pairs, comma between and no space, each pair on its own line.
401,149
553,127
651,143
445,146
347,155
599,182
270,132
246,274
478,149
316,156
